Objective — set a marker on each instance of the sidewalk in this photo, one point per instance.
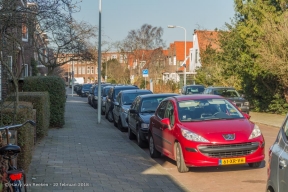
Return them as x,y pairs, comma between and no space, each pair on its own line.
267,119
86,156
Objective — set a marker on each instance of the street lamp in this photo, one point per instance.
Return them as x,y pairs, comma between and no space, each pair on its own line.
184,63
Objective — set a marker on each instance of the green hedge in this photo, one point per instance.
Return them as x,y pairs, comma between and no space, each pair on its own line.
57,93
41,103
25,134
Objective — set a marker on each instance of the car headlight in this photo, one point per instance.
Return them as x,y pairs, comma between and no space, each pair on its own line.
145,125
255,133
246,103
95,97
124,110
192,136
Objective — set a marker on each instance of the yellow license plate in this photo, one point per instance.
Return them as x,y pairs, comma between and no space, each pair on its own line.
232,161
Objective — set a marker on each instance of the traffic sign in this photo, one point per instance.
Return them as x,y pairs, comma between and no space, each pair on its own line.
145,72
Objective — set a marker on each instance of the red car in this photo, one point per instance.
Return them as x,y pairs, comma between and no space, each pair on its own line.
204,130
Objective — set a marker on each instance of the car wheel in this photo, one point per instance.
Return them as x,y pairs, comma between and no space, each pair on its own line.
120,127
181,166
114,121
254,165
102,112
110,116
154,153
140,142
131,135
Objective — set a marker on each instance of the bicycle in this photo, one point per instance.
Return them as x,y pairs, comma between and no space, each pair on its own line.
11,175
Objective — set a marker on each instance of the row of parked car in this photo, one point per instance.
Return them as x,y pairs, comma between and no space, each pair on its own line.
210,129
194,130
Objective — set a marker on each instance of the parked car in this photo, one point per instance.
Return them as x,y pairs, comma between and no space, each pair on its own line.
113,92
122,104
89,98
142,108
84,91
95,95
278,162
104,94
192,89
232,94
204,130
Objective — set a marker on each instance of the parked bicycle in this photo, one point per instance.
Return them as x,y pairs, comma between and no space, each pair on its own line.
12,176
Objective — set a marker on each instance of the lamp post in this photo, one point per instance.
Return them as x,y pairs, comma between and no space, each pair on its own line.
184,63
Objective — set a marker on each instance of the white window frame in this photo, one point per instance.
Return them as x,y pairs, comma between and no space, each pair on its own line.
25,39
88,69
25,71
92,70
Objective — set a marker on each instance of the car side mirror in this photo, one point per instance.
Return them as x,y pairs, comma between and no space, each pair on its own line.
133,111
166,123
247,116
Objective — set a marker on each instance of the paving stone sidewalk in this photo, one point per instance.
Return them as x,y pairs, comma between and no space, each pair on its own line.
86,156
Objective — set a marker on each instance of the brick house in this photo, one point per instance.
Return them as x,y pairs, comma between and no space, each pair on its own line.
17,54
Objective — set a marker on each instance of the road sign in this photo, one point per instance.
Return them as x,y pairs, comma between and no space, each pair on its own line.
145,72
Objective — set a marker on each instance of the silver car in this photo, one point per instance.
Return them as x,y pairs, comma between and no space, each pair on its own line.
122,104
104,98
278,162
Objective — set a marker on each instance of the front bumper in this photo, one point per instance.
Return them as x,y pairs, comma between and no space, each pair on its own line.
201,156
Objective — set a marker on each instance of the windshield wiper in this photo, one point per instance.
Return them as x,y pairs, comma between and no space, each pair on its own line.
148,111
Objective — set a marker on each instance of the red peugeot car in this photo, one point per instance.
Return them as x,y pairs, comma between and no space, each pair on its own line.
204,130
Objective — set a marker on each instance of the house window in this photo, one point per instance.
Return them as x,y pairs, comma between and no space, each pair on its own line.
174,60
196,55
92,70
114,56
83,70
79,70
88,70
191,57
25,70
24,33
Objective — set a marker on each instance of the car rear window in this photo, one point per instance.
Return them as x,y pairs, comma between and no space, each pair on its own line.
124,88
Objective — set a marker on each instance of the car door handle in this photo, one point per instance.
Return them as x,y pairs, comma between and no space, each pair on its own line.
282,163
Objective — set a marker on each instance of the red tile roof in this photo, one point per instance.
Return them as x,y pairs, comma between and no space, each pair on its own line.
206,39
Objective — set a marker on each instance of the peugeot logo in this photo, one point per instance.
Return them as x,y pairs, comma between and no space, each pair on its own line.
229,137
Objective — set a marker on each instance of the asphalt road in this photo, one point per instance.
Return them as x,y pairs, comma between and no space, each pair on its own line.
237,178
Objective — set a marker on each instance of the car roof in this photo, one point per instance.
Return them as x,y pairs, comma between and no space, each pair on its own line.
158,95
221,87
195,86
197,96
136,91
125,86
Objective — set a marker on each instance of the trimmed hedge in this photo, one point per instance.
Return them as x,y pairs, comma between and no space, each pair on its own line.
25,134
41,103
57,93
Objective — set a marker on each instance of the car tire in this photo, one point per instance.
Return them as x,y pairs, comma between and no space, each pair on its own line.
154,153
140,142
181,166
255,165
131,135
110,116
114,121
102,112
120,127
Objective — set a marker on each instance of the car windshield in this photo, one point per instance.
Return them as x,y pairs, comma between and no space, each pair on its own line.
122,89
207,109
226,92
128,98
194,90
87,86
149,105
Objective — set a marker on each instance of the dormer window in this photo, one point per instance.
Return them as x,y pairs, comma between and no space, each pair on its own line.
24,33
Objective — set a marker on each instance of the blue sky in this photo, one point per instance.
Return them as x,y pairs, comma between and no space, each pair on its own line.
121,16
